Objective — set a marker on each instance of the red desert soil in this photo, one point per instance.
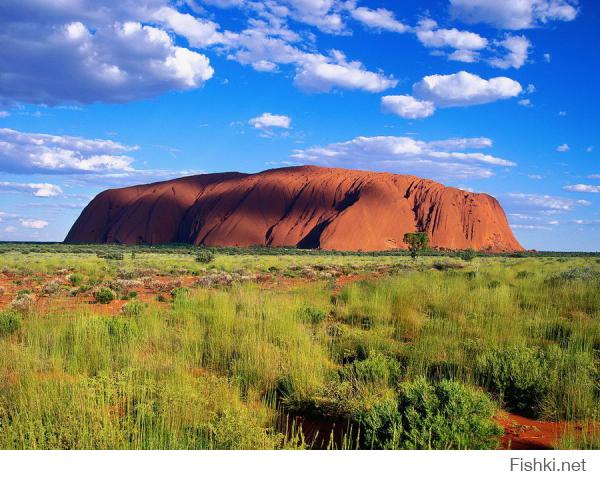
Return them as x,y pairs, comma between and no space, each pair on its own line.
525,434
306,207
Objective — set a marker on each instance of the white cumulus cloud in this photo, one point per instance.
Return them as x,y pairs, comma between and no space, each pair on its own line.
443,159
463,88
379,18
514,14
322,75
32,223
517,50
36,189
583,188
452,38
85,52
541,203
22,152
406,106
269,120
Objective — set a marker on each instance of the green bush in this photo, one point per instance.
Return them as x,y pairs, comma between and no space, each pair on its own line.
581,274
517,375
133,309
312,315
380,426
467,255
111,255
376,369
205,256
444,415
10,322
76,279
180,292
104,295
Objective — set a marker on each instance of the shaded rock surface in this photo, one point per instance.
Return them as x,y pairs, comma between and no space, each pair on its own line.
307,207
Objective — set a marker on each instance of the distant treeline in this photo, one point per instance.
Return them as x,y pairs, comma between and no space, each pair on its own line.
108,250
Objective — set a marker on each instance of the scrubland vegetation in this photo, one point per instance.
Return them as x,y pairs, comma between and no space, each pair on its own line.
167,349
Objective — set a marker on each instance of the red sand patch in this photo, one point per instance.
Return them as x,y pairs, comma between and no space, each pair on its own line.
522,433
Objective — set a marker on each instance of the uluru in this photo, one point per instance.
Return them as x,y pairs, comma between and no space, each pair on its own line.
304,207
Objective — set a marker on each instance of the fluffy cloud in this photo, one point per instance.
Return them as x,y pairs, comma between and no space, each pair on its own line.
323,75
533,211
433,37
380,18
85,52
517,50
563,148
440,159
541,203
5,215
583,188
200,33
465,56
463,88
586,222
32,223
223,3
323,14
36,189
265,47
406,106
457,90
22,152
268,120
514,14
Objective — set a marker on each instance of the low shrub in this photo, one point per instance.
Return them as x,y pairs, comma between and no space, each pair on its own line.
205,256
312,315
51,288
517,375
133,309
444,415
10,322
582,274
111,255
76,279
444,266
524,274
23,302
180,292
104,295
467,255
376,369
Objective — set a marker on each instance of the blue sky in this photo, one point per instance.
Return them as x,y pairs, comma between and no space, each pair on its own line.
495,97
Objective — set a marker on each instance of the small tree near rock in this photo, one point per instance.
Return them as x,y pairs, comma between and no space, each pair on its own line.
417,242
204,256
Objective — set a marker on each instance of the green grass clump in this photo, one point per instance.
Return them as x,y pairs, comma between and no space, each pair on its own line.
10,322
76,279
444,415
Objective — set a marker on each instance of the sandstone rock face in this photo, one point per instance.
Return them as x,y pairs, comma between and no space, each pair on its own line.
306,207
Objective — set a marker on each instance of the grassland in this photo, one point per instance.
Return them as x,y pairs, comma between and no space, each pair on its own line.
133,348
